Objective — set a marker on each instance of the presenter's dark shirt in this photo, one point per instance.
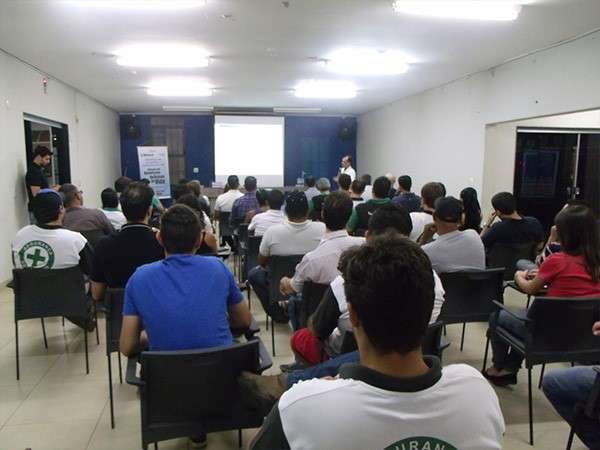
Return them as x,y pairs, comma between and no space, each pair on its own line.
117,256
35,177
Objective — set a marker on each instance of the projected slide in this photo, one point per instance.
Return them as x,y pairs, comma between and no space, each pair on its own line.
249,145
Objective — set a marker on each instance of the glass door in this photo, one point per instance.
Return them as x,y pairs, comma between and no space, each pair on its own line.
587,187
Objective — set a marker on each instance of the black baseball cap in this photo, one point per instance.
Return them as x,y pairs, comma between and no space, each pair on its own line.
46,205
448,209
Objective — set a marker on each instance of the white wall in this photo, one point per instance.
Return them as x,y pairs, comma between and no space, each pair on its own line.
93,140
440,134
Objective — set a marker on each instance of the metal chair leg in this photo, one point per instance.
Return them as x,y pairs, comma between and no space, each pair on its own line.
63,321
528,300
485,355
156,446
110,393
44,332
273,336
240,438
17,348
120,368
96,319
541,376
249,297
267,321
87,358
462,339
530,406
570,441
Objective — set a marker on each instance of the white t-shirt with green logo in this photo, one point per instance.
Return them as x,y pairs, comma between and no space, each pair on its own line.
42,248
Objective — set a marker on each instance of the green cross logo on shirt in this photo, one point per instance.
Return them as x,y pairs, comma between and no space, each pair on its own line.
36,255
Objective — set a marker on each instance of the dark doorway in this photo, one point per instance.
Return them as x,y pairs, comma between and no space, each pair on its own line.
55,136
554,166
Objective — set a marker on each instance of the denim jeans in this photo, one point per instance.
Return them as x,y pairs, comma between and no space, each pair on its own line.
329,368
504,357
567,387
259,280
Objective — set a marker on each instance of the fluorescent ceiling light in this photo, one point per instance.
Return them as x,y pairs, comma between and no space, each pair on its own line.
188,108
461,9
362,61
179,87
162,55
297,110
138,4
325,89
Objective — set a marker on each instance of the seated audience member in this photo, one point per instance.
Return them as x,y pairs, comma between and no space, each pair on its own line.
392,178
117,256
48,245
453,250
573,272
209,241
110,208
344,182
81,219
156,203
295,236
395,397
330,321
472,210
569,387
224,202
245,203
309,188
320,265
359,220
316,204
171,297
366,178
405,198
357,188
512,228
429,194
196,188
261,198
121,183
260,223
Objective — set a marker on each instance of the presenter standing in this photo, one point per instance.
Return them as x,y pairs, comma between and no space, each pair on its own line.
36,178
347,168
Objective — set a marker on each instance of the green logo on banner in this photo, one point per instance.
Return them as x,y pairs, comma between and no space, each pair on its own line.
36,255
421,443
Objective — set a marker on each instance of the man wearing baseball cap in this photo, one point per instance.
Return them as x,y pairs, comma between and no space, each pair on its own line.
453,250
47,245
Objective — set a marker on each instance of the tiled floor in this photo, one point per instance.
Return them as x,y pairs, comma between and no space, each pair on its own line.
56,406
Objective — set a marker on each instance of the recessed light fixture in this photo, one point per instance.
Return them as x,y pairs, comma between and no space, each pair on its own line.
325,89
280,110
363,61
461,9
138,4
174,56
179,87
188,108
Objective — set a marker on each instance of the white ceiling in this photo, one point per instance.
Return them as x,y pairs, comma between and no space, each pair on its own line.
265,48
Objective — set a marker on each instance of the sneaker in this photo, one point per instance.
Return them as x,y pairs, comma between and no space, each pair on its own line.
261,392
285,368
197,442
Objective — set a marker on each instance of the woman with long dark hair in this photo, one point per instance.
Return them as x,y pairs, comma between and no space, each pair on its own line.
472,210
572,272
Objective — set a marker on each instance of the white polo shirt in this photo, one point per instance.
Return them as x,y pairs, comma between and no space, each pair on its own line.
46,248
419,220
116,217
225,201
320,265
263,221
349,171
291,238
453,408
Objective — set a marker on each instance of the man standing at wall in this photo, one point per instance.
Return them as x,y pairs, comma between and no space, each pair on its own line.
35,178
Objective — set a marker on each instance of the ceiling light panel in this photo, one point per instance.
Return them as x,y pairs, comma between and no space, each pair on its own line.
502,10
325,89
162,56
362,61
138,5
179,87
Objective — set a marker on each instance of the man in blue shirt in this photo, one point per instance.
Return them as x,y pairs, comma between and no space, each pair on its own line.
406,198
184,301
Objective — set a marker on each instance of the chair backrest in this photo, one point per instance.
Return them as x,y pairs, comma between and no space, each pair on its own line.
507,255
224,226
470,295
186,392
251,254
279,267
312,294
49,293
561,329
113,307
432,342
348,343
93,236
